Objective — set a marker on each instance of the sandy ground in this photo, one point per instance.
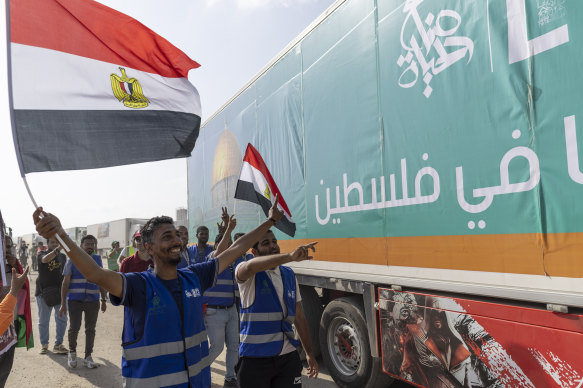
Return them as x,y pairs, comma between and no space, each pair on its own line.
32,369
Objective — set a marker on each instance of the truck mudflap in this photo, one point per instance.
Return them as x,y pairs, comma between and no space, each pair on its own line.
434,341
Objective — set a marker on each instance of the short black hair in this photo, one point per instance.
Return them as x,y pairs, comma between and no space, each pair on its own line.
88,237
219,238
256,245
238,236
150,227
201,228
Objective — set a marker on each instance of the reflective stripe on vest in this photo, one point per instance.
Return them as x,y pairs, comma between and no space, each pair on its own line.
79,288
226,290
169,342
263,324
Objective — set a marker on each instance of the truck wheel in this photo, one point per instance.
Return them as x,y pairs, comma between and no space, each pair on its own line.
313,309
345,347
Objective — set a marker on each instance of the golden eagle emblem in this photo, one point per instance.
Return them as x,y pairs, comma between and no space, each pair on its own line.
267,192
128,90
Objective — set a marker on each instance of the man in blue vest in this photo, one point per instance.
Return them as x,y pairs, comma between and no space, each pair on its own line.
82,297
270,304
164,338
222,316
199,251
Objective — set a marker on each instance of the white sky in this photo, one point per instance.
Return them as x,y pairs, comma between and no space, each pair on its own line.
231,39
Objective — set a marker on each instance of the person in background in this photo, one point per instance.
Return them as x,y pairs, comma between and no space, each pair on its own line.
82,297
128,251
270,304
113,256
221,317
185,259
48,296
139,261
201,249
9,339
40,248
23,253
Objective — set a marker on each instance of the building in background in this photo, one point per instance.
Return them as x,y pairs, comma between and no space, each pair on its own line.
118,230
181,217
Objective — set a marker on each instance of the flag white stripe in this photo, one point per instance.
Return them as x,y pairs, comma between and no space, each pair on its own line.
252,175
46,79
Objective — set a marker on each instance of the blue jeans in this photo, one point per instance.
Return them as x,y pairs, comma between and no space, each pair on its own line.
44,317
222,326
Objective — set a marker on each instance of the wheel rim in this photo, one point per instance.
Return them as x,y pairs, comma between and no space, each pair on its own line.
344,346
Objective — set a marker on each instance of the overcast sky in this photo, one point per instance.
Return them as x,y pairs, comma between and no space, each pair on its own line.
231,39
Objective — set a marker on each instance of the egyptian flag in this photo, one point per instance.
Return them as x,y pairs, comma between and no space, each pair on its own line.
91,87
256,185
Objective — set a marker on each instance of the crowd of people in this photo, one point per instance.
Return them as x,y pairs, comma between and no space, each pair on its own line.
182,304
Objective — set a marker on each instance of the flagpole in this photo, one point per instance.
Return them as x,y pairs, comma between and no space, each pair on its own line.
65,246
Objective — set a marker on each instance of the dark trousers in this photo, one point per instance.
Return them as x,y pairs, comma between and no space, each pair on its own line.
76,309
6,361
270,372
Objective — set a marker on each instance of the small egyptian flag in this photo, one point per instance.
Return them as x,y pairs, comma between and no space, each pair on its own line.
256,185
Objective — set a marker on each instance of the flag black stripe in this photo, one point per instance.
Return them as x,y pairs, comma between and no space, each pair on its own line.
246,191
96,139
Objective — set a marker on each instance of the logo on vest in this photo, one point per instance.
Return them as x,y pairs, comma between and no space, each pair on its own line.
194,293
297,380
265,288
291,294
157,308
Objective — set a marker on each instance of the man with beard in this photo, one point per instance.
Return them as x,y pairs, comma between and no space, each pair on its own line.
270,304
82,296
199,251
164,339
184,258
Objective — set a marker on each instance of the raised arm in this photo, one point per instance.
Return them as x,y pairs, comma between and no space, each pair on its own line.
243,244
249,268
49,226
226,240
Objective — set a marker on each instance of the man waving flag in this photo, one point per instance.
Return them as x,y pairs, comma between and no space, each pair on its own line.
91,87
256,185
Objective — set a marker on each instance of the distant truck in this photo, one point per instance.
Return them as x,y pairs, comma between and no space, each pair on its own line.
431,147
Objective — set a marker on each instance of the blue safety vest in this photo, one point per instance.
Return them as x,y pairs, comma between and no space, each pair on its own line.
195,257
263,324
173,349
79,288
226,290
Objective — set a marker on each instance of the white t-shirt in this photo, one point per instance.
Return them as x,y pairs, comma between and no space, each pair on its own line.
247,293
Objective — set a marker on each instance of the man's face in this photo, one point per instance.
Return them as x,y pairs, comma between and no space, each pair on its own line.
52,244
138,244
166,244
267,245
115,245
184,235
89,245
203,236
9,251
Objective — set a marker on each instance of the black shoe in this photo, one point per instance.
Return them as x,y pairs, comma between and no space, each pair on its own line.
231,383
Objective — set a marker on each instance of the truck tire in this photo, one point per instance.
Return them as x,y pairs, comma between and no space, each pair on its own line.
345,347
313,310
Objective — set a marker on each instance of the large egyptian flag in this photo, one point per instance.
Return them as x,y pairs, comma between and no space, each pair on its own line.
91,87
256,185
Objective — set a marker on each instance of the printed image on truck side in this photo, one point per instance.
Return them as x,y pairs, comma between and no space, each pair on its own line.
432,149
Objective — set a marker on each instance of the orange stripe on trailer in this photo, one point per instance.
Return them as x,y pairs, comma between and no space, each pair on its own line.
557,254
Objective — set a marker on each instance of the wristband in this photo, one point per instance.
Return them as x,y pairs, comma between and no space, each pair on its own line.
272,220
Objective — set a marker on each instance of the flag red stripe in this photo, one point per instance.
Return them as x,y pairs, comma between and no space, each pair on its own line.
92,30
253,157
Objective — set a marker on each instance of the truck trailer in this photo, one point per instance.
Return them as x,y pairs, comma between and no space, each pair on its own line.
431,148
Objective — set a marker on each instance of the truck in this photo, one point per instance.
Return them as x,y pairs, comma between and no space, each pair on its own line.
431,148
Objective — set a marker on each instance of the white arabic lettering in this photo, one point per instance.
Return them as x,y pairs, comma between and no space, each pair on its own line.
429,38
383,203
505,186
572,150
